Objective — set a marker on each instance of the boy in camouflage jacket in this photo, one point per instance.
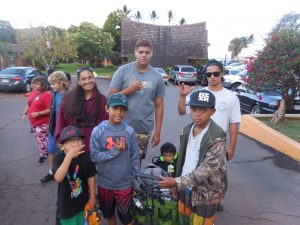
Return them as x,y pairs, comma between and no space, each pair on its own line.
201,167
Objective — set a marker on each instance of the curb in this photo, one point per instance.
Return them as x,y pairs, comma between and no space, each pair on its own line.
256,129
104,77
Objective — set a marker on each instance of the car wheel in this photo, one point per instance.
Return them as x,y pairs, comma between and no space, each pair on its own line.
176,81
235,86
27,87
255,110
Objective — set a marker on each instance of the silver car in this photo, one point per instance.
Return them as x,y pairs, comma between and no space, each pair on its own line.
183,74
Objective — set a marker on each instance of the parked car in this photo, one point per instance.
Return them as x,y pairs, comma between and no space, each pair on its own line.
18,78
163,74
236,66
263,102
233,78
230,61
231,82
201,79
183,73
231,72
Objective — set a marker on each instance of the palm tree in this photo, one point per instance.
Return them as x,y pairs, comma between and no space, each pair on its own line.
237,44
153,16
126,11
138,16
182,21
170,16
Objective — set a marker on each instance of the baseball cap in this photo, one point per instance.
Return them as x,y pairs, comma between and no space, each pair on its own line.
70,132
117,99
202,98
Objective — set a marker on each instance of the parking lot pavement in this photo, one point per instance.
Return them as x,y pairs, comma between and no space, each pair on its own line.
263,185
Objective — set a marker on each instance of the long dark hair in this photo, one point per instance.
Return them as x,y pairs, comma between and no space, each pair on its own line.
74,104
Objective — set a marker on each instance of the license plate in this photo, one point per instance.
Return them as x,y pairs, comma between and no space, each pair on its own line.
4,80
297,107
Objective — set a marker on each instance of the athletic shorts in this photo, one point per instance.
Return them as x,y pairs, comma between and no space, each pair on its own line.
143,141
75,220
110,199
52,146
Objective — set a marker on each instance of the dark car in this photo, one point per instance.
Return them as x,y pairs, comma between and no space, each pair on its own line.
201,79
263,102
18,78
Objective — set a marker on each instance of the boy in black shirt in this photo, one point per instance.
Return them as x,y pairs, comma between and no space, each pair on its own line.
167,159
75,174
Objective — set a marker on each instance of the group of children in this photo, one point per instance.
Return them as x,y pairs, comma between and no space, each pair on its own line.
200,174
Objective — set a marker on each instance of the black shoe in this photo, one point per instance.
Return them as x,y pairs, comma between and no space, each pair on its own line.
219,208
42,160
47,178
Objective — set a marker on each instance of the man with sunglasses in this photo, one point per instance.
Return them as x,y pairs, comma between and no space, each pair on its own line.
228,113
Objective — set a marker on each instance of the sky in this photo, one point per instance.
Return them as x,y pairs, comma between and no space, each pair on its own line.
225,19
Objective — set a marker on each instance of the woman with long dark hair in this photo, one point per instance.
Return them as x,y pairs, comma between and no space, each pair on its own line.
83,106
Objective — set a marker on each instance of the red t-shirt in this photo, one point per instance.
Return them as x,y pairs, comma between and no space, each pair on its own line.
38,102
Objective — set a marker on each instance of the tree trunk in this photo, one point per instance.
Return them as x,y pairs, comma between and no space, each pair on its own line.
279,115
1,60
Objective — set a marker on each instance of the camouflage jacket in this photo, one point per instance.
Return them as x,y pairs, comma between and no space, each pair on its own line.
209,180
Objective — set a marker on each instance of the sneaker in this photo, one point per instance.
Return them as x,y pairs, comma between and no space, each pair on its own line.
47,178
42,160
219,208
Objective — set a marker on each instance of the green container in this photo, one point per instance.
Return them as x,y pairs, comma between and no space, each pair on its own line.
165,212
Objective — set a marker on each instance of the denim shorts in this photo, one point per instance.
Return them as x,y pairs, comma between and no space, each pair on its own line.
52,146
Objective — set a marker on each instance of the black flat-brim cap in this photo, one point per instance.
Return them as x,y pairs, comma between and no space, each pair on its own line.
202,98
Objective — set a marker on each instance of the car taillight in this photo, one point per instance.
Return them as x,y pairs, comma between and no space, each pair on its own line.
16,78
180,73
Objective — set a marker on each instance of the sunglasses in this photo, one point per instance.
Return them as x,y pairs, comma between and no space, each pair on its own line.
83,69
216,74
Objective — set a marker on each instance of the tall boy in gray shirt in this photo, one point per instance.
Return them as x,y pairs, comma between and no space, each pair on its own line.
145,90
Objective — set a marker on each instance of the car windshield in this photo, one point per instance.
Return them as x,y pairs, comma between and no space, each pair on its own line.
188,69
12,71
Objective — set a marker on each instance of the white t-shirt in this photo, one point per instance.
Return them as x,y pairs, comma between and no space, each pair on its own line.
227,108
192,151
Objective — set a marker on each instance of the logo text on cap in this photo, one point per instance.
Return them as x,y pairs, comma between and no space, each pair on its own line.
203,97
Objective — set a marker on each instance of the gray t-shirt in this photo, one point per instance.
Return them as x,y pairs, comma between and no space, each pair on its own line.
141,108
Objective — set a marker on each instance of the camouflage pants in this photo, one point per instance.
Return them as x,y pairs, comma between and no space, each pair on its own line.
143,140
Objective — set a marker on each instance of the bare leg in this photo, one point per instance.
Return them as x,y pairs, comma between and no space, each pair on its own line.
112,220
51,159
131,223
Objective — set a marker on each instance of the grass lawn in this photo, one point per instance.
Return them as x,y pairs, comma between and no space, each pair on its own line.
290,127
72,67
